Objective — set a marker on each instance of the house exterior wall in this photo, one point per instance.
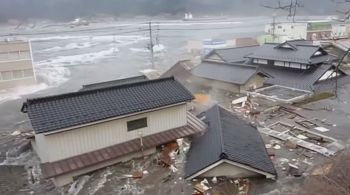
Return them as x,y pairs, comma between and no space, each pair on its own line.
69,177
228,170
255,82
54,147
216,84
17,82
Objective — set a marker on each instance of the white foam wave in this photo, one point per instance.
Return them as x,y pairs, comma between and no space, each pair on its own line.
55,38
69,46
18,92
80,59
158,48
144,50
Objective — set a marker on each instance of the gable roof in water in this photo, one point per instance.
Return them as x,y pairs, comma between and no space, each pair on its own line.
71,109
227,138
232,55
231,73
292,52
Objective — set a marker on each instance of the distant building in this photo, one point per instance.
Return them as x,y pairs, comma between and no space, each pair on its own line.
79,132
16,64
312,30
229,148
206,46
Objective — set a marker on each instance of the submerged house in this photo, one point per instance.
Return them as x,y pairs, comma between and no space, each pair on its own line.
230,77
79,132
229,148
297,64
16,64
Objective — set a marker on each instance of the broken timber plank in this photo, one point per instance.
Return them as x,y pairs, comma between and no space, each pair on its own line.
284,136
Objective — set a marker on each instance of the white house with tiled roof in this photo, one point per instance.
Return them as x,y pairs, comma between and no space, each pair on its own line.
79,132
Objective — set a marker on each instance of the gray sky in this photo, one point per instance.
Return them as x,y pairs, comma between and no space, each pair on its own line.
68,9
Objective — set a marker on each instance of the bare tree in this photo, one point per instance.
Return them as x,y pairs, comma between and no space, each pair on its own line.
291,6
344,10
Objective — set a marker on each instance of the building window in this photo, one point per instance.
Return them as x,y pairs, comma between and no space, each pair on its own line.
295,65
28,73
7,75
137,124
279,63
17,74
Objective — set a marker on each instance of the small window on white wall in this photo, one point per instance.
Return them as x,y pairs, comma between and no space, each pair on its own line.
137,124
7,75
261,61
279,63
295,65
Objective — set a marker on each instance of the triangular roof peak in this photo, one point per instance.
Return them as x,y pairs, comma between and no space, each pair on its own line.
287,45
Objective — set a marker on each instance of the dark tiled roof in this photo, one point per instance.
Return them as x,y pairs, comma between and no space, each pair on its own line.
230,138
113,83
296,78
181,70
232,55
71,109
297,53
89,159
231,73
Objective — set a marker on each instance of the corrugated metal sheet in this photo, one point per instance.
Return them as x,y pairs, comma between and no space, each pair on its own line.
92,158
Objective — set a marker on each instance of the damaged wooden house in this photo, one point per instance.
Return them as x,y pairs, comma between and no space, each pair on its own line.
297,64
230,148
79,132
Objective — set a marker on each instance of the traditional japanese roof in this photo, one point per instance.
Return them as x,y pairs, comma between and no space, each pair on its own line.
291,52
227,138
71,109
295,78
231,73
114,83
86,160
232,55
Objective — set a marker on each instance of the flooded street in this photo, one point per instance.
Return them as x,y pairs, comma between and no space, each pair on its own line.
66,60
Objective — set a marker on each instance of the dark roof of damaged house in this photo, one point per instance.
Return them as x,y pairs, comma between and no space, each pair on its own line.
232,55
231,73
291,52
227,138
114,83
295,78
67,110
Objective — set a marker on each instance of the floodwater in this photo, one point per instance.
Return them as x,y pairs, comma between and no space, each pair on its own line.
65,58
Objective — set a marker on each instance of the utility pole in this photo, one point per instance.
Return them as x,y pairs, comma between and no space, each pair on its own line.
151,43
336,72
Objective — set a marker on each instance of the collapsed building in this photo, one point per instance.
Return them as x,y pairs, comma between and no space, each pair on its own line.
296,64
